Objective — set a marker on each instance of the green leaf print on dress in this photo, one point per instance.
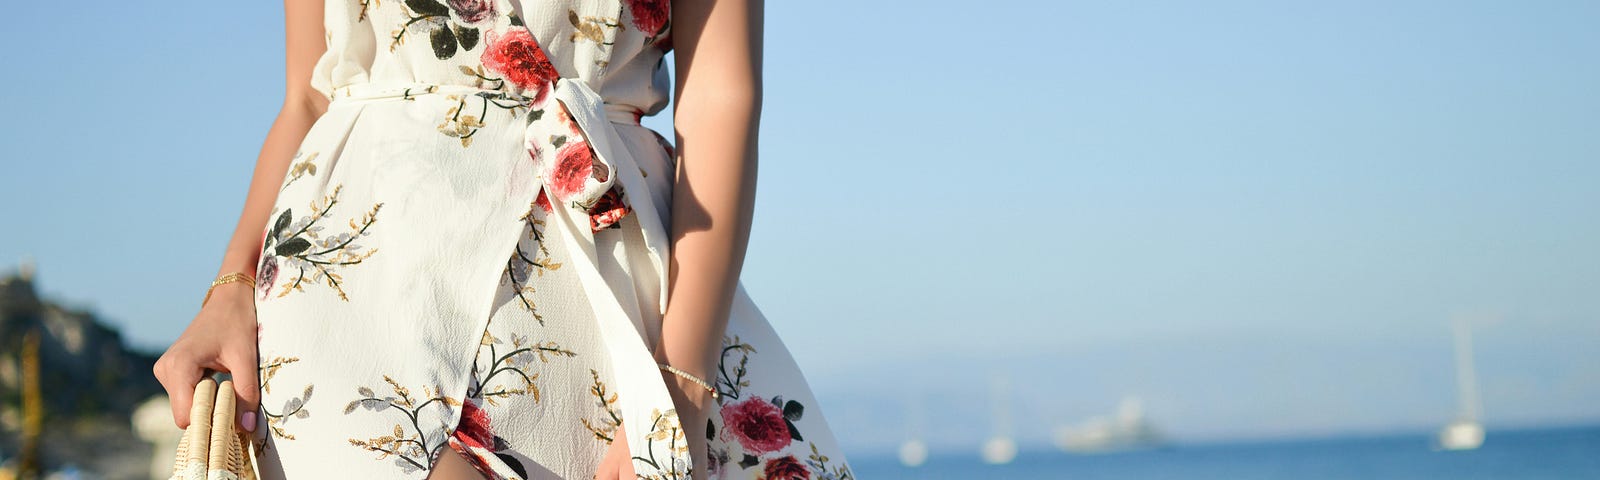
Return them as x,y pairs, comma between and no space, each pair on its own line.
606,428
300,168
413,444
294,407
314,257
514,365
524,265
664,427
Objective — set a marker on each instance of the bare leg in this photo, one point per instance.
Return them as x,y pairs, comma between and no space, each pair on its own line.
451,466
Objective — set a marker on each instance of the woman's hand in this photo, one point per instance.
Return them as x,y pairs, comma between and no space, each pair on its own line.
221,337
697,445
616,464
692,403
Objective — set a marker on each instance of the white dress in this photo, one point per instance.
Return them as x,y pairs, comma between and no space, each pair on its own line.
469,251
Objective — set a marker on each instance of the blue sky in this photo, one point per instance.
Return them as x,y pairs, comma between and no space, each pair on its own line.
1258,216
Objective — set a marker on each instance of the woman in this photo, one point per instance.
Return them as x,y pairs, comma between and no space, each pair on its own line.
456,252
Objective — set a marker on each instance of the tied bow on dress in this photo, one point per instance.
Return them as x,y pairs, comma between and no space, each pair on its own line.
621,324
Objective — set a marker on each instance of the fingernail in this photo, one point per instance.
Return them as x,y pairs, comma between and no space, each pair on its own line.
249,421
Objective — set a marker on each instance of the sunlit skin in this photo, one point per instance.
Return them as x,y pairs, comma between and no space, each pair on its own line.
222,335
717,53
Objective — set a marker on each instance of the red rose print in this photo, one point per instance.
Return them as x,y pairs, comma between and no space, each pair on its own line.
758,424
576,163
608,211
786,468
565,118
473,429
650,16
265,276
473,438
543,201
517,56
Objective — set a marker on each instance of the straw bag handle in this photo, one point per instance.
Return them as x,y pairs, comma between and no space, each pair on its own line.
213,448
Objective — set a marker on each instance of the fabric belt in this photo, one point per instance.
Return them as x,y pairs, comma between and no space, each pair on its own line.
615,112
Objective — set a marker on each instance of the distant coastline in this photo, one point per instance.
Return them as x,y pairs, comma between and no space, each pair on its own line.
1550,452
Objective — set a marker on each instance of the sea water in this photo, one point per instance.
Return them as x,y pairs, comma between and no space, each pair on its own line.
1505,454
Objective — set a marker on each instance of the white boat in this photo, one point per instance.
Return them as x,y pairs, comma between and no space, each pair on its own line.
1465,433
1127,430
913,451
1000,448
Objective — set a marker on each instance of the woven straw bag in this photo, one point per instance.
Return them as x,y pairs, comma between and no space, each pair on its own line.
213,447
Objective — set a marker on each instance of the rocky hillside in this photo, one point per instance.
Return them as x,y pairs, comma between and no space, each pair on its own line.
91,381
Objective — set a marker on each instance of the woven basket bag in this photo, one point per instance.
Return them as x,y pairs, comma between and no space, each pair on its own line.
213,447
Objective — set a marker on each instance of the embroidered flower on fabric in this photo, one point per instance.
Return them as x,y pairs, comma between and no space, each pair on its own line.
516,55
543,202
608,212
717,468
471,12
474,426
757,424
650,16
266,275
575,164
786,468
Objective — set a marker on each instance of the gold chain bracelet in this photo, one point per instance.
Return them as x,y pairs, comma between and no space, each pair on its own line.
691,377
229,278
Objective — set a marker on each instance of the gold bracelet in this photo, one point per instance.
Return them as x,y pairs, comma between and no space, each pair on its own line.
692,378
229,278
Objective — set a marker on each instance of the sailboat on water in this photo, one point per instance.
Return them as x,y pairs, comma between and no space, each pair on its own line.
1465,433
913,451
1000,448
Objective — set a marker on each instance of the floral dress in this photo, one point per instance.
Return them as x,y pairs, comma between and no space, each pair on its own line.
469,251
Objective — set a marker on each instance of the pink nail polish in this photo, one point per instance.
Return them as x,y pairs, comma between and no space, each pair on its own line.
249,421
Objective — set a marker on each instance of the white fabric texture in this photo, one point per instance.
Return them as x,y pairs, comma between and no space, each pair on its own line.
470,251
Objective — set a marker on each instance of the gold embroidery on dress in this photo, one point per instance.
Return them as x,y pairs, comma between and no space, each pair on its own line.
529,267
591,28
606,428
408,441
302,168
304,248
514,364
665,428
734,381
294,407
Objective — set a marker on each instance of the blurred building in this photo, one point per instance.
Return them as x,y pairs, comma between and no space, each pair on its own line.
90,381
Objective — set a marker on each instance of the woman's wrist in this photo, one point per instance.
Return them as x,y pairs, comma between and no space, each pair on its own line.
230,285
235,260
698,397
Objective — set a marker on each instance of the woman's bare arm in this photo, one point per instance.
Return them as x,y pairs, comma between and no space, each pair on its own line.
222,335
304,44
717,117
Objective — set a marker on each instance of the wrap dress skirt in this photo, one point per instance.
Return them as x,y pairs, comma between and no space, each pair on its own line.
469,251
